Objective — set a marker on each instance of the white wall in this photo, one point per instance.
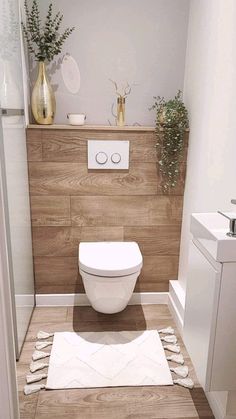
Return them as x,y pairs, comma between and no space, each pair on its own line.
210,95
135,40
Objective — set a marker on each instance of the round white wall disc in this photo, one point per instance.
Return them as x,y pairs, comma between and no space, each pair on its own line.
70,74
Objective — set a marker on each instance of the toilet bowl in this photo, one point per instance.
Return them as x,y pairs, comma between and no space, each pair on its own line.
109,271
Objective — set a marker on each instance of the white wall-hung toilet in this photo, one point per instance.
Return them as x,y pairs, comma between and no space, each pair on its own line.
109,272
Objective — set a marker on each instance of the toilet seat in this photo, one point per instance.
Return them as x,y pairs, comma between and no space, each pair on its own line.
109,272
110,259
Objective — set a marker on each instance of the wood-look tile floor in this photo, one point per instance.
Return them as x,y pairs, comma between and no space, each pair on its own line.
162,402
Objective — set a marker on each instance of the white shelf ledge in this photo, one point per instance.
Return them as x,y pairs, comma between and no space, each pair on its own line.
93,127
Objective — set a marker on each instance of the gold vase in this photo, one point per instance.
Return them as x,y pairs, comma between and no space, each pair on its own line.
120,111
43,99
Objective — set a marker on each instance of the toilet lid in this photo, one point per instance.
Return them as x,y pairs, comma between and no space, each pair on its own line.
110,258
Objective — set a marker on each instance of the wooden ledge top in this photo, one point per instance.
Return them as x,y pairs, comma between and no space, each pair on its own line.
92,127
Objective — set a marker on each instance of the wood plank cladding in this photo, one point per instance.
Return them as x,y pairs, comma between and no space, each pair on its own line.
125,210
154,240
70,204
75,179
50,210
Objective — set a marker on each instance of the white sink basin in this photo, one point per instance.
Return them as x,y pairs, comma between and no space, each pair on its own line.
210,230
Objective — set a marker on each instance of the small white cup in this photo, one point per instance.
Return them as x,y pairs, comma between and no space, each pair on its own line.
76,118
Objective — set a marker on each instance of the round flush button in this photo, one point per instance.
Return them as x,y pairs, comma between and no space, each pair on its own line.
116,158
101,157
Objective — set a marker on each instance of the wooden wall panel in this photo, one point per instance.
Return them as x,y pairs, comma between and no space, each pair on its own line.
165,268
57,148
70,204
75,179
71,146
34,145
125,210
56,241
62,270
64,241
50,210
90,234
34,151
155,240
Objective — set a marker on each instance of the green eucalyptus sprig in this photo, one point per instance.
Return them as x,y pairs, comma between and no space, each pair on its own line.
171,124
44,40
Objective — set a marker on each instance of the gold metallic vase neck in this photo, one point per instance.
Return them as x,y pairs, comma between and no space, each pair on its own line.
42,70
41,66
121,111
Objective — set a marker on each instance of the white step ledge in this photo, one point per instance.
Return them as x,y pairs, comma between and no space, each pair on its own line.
177,303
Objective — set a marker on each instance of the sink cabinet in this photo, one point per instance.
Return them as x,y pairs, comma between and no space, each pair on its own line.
210,318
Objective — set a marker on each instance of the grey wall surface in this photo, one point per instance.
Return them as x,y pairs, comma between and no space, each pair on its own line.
134,41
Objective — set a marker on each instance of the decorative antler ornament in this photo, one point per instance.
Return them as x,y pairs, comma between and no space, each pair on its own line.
126,90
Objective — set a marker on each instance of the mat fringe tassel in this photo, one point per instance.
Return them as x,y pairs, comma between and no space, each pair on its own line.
44,335
37,366
167,331
178,359
39,355
33,378
41,345
184,382
172,348
183,370
33,388
169,339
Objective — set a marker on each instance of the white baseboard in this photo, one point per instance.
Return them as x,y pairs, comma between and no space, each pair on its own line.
217,406
82,300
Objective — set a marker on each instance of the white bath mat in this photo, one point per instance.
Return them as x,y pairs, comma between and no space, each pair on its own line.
107,359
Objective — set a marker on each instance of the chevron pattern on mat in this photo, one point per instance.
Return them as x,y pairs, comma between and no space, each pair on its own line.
107,359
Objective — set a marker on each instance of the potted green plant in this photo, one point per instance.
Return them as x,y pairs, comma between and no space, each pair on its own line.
171,124
44,42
